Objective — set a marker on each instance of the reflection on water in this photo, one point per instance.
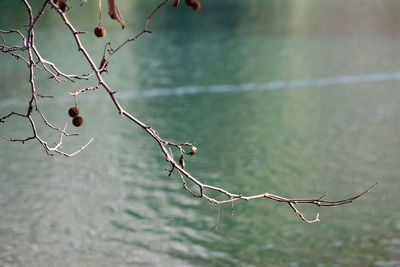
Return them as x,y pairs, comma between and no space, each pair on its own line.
114,206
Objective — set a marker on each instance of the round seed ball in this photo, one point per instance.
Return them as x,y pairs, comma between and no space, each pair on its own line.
77,121
189,2
73,112
175,3
196,5
100,31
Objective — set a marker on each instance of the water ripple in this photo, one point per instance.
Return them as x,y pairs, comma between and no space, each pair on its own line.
231,88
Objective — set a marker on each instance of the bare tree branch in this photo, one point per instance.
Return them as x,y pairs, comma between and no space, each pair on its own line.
32,60
176,162
145,30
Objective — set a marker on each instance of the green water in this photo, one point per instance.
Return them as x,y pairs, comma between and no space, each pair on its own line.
218,78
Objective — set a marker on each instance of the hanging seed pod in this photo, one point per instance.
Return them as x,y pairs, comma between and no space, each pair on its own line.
100,31
193,4
73,112
196,5
175,3
77,121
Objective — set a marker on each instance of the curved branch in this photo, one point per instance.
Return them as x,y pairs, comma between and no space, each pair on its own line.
176,162
165,146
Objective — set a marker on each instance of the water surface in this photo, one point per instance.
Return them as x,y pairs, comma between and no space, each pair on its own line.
291,97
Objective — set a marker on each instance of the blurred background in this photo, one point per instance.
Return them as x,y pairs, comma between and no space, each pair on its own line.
291,97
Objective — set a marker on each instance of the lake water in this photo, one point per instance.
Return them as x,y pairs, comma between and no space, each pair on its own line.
290,97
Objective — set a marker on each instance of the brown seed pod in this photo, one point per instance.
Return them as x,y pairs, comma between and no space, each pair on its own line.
189,2
193,4
196,5
175,3
73,112
77,121
100,31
